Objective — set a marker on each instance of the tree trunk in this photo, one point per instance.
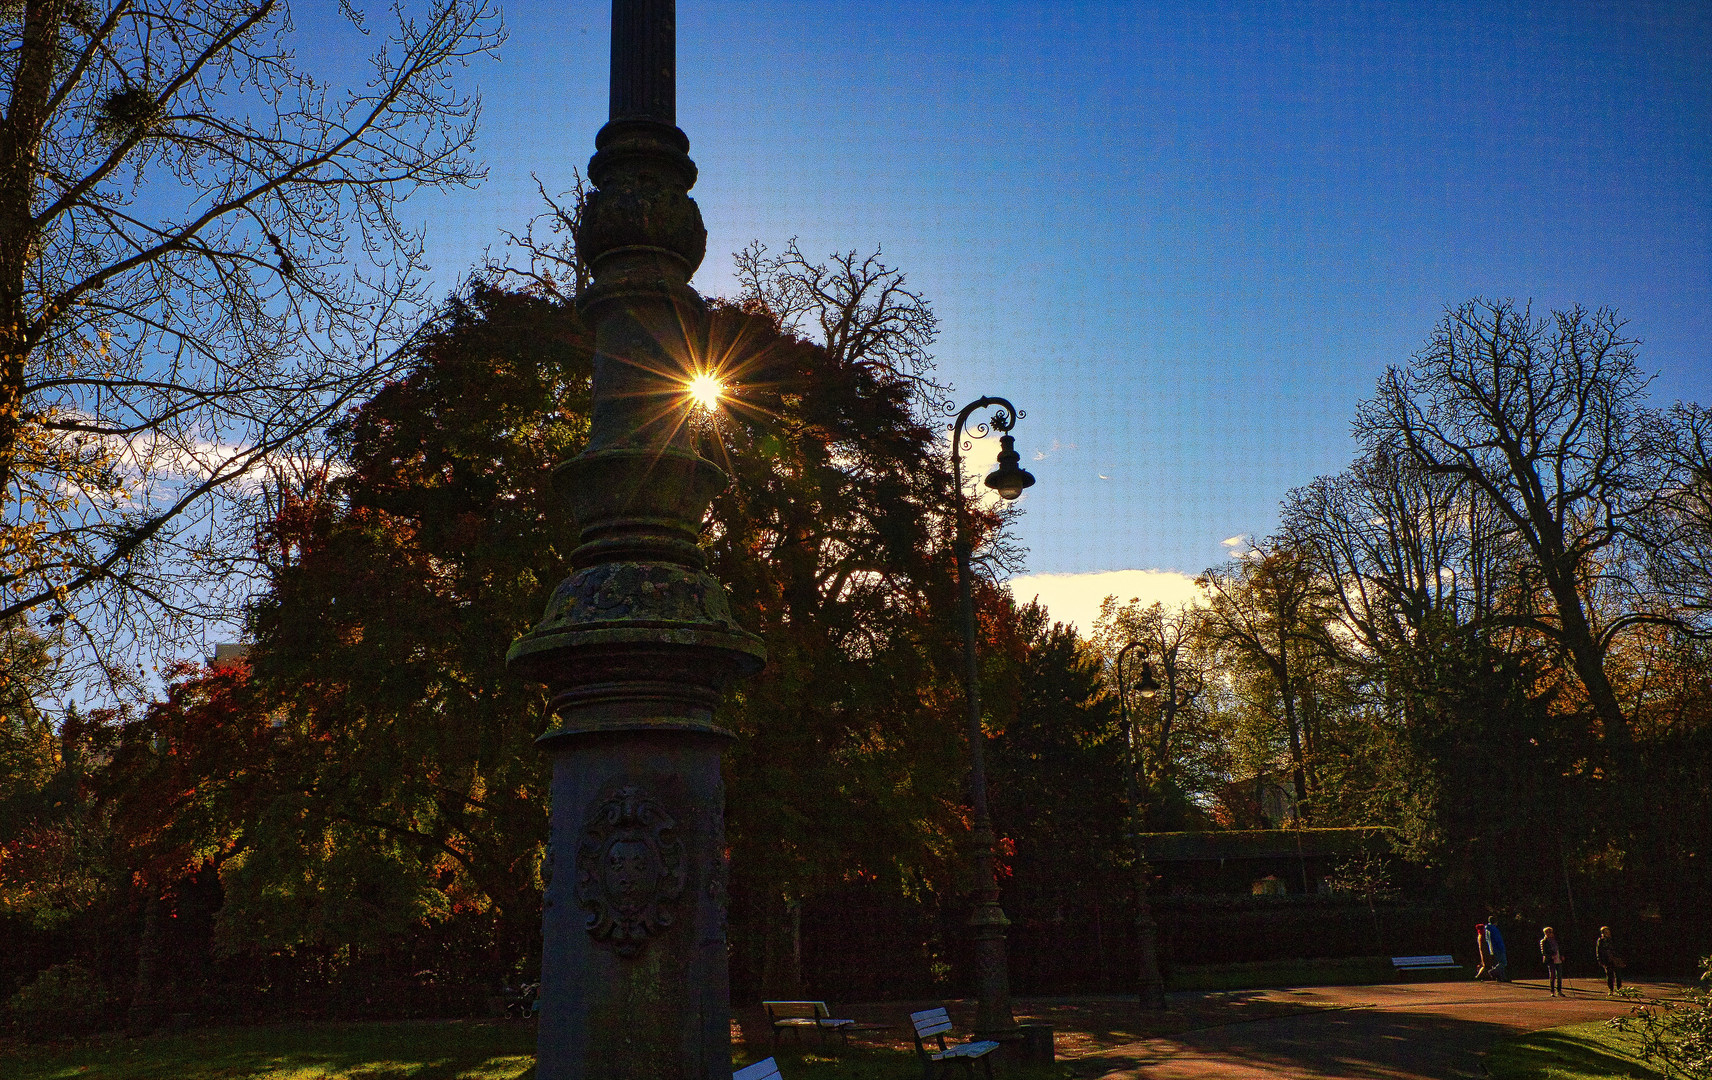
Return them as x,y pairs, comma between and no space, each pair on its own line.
781,947
1298,759
1589,664
145,997
20,140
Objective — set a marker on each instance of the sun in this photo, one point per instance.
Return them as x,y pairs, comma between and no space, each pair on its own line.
706,390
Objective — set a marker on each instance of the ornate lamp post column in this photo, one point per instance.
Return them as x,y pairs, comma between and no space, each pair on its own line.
988,922
637,643
1152,986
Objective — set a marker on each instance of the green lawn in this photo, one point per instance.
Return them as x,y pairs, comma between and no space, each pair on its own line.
401,1051
421,1050
1577,1052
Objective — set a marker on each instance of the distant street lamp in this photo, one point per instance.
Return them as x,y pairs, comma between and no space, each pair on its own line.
988,922
1152,988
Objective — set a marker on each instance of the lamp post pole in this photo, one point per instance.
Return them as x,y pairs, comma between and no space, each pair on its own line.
1151,989
637,644
987,922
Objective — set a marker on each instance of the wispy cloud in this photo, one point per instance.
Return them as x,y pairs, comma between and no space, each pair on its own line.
1042,455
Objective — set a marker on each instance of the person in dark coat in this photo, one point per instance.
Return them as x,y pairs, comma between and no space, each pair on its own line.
1552,957
1606,953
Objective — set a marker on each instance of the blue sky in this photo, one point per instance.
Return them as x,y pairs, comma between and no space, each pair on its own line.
1185,238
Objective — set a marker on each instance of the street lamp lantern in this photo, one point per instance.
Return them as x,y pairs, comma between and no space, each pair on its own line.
1009,478
1148,686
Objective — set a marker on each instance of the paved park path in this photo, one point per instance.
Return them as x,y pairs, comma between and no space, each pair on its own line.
1404,1031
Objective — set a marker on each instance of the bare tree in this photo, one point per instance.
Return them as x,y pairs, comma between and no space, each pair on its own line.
1401,548
201,263
859,308
1678,535
555,267
1541,419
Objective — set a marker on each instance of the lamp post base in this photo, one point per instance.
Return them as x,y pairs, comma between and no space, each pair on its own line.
993,1017
633,969
1151,986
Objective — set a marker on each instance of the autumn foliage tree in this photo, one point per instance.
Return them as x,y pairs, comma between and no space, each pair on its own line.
398,581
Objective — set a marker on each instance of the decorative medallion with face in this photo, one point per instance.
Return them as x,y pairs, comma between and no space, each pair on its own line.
630,868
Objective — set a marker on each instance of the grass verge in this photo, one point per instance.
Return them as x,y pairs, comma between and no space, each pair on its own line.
420,1050
457,1050
860,1064
1577,1052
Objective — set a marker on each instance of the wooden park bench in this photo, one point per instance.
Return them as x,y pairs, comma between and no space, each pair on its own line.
767,1069
1425,963
933,1024
799,1016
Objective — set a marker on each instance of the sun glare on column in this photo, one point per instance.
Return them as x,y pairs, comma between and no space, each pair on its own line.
705,391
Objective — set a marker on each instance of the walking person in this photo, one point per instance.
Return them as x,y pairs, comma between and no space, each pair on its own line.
1606,953
1552,957
1495,945
1485,950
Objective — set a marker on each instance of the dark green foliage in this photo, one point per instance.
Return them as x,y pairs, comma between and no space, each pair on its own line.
63,1001
416,794
1057,766
1483,776
832,541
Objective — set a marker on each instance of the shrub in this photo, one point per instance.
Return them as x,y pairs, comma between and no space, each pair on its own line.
1675,1036
63,1001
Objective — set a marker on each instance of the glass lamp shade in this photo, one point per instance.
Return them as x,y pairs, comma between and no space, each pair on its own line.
1009,478
1147,687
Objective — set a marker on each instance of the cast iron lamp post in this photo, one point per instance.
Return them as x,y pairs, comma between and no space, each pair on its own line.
1152,987
987,922
637,644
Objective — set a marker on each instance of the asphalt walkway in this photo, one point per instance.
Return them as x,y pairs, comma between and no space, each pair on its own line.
1404,1031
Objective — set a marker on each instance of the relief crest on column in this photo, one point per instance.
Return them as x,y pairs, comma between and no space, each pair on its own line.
630,868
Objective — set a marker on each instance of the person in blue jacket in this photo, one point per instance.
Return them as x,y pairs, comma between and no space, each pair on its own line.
1495,943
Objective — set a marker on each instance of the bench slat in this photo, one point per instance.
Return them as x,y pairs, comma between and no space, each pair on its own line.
807,1010
930,1022
761,1070
968,1050
1444,962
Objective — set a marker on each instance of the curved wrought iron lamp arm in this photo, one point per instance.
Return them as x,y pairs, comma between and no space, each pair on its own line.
1003,420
